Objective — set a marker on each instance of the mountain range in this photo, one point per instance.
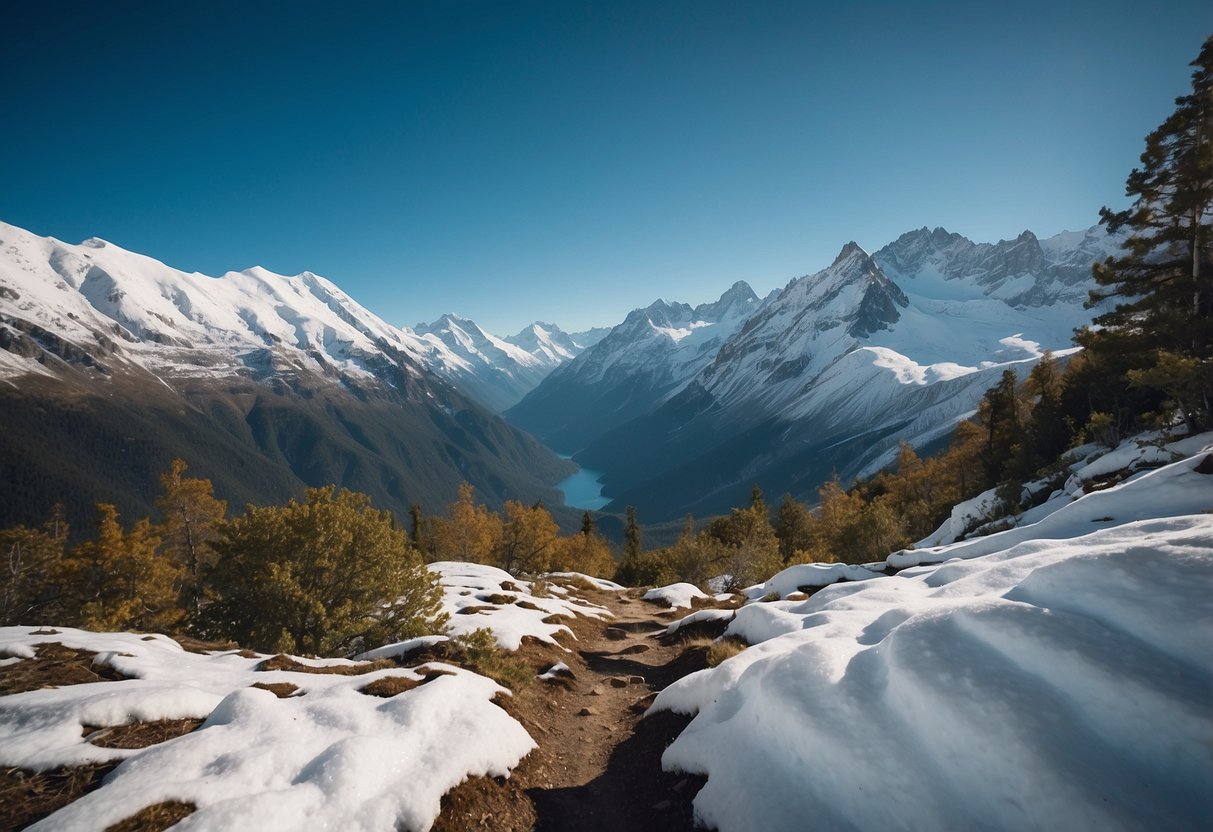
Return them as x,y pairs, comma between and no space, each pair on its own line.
111,363
824,377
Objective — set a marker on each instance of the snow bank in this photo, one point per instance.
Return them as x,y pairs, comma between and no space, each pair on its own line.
808,575
1091,462
478,596
699,616
601,583
1170,491
675,595
1052,684
328,756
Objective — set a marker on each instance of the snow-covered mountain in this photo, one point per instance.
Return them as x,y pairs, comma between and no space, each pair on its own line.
640,363
842,364
492,370
286,370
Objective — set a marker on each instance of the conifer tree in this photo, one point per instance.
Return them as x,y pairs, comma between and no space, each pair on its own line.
793,527
631,536
118,581
528,536
29,558
192,515
416,520
585,552
471,534
1163,283
999,414
329,575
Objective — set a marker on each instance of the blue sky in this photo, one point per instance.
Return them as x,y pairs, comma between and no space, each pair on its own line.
570,161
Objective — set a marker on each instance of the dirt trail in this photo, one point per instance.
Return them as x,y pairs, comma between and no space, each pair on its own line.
598,765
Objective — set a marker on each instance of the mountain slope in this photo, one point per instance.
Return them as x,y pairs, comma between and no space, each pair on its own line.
113,363
641,362
491,370
829,375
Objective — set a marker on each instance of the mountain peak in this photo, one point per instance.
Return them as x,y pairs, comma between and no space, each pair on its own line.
850,249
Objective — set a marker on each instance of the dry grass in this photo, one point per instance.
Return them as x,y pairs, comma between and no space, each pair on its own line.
27,797
478,652
139,734
717,650
575,582
280,689
472,610
54,666
193,645
389,686
154,818
284,662
724,648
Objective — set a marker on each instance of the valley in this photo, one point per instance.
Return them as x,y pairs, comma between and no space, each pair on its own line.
678,409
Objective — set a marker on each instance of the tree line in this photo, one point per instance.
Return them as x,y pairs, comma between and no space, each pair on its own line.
328,574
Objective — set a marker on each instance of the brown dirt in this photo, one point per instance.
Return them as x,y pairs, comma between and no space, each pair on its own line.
598,764
597,767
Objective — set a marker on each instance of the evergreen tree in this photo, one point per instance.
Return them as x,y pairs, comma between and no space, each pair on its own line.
1163,283
528,538
192,516
793,527
471,534
1000,416
751,547
585,552
416,520
587,523
757,503
329,575
118,581
632,571
29,559
631,535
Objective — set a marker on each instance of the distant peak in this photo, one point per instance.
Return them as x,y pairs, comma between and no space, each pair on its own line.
1025,236
850,249
93,242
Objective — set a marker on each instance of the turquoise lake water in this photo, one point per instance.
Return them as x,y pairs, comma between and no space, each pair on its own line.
583,490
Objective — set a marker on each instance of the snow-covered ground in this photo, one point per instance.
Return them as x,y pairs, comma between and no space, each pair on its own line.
479,596
327,756
1057,675
675,595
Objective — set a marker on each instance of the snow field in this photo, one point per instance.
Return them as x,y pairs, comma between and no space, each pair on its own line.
1053,676
328,756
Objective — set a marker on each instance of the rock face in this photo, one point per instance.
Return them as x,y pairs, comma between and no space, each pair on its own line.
830,373
115,363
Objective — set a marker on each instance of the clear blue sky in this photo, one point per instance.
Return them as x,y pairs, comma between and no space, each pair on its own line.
570,161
